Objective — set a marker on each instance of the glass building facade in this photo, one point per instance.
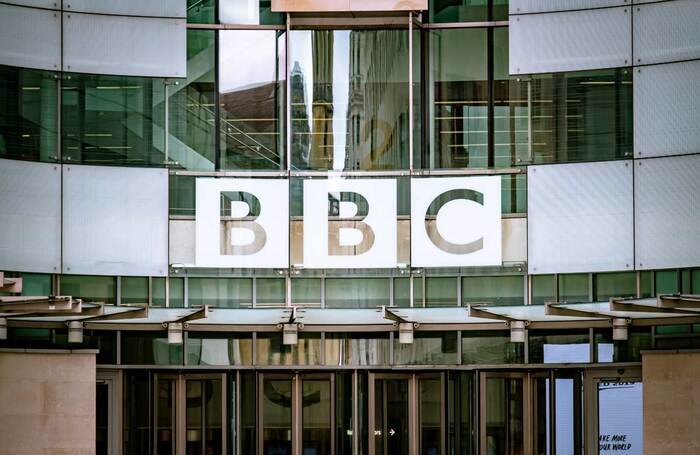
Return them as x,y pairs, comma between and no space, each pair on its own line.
286,357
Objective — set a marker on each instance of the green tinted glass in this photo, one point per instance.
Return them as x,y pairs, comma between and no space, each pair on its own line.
28,114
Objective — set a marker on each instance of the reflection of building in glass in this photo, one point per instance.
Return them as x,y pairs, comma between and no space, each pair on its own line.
378,99
300,118
321,154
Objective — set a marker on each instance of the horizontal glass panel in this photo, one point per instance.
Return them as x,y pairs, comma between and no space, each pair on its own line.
90,288
621,284
28,114
220,292
574,116
177,292
350,98
270,292
666,282
428,348
467,10
357,349
114,120
271,351
149,348
250,12
441,291
573,287
487,347
572,346
134,289
219,349
496,290
252,77
356,292
544,289
306,291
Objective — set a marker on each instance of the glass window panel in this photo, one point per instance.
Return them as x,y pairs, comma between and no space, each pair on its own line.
28,114
646,284
149,348
488,347
544,289
306,291
509,108
200,11
219,349
271,351
575,116
177,292
504,405
356,292
276,415
551,346
514,193
441,291
36,284
252,12
430,405
252,99
90,288
428,348
666,282
458,10
458,106
619,284
496,290
695,284
401,292
192,107
269,291
357,349
112,120
638,339
573,287
182,195
349,99
134,289
220,292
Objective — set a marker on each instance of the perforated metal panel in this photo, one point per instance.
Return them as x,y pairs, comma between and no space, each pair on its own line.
666,114
115,221
580,217
667,212
666,32
570,41
30,37
543,6
153,8
130,46
30,216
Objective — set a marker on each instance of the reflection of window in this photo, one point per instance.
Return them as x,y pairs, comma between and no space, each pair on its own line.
349,99
251,89
572,346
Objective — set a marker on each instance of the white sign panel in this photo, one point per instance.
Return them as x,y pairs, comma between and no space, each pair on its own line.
350,223
242,223
456,221
620,423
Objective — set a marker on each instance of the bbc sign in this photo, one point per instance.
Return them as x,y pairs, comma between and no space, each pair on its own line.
348,223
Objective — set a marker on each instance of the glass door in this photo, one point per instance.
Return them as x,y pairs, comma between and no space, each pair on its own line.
431,414
275,402
502,412
202,413
164,410
296,414
392,414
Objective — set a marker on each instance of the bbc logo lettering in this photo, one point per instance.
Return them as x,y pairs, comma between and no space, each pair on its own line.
348,223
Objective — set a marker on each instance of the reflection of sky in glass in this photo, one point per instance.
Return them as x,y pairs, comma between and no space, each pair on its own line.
302,56
247,59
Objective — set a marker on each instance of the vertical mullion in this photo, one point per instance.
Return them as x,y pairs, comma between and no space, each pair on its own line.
490,111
